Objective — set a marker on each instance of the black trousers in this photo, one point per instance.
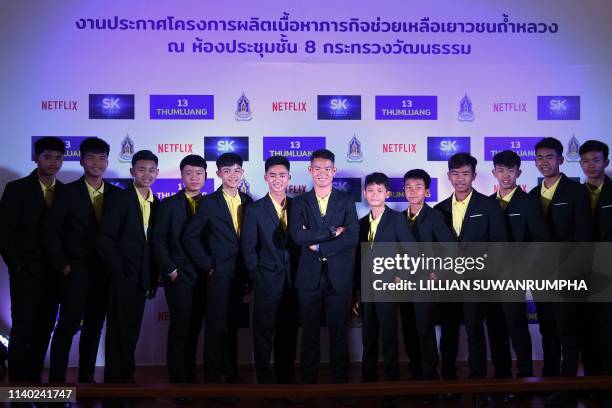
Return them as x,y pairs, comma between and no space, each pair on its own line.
412,344
335,304
560,338
451,316
34,300
604,325
591,350
126,303
83,297
186,303
426,315
223,300
379,321
473,317
499,340
275,324
517,327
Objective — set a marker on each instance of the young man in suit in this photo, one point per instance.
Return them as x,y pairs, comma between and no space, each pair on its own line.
69,235
124,243
427,225
271,257
33,282
324,224
212,240
184,286
381,225
567,209
473,217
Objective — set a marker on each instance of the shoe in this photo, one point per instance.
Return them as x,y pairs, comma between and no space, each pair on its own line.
430,399
224,400
481,400
390,401
559,398
183,400
449,396
347,401
513,397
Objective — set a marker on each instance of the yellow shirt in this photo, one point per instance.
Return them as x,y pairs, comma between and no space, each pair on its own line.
373,226
459,209
281,211
412,218
193,202
504,201
323,204
235,206
97,198
145,207
48,193
595,192
546,194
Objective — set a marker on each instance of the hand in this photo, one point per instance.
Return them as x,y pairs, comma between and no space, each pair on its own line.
339,230
314,247
433,276
173,276
397,279
66,270
248,287
151,293
211,271
355,303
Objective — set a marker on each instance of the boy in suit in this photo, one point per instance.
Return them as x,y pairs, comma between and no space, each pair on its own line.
33,282
212,240
567,211
324,224
124,242
271,258
69,235
183,284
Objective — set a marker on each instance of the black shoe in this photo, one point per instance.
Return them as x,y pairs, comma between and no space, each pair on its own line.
449,396
513,397
347,401
429,399
183,400
390,401
481,400
296,401
559,398
224,400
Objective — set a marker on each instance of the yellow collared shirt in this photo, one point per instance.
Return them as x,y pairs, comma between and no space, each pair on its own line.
48,192
373,226
595,193
412,218
97,198
145,207
459,209
323,204
235,206
504,201
193,202
281,211
546,194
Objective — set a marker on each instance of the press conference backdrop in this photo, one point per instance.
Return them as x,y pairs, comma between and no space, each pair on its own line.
387,87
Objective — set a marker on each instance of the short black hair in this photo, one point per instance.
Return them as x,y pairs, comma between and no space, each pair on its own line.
144,155
462,159
323,154
418,174
276,161
192,160
507,158
50,143
377,178
594,146
228,160
94,145
550,143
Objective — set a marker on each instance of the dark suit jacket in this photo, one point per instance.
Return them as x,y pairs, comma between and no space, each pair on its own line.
211,240
172,217
524,218
69,232
307,227
483,222
122,242
430,226
569,212
22,211
270,255
603,214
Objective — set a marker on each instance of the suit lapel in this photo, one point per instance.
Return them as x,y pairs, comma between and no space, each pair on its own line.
36,190
314,207
271,211
136,206
382,224
331,205
470,207
225,211
84,195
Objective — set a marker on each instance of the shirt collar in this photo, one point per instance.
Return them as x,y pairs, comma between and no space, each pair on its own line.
93,190
141,198
508,196
465,201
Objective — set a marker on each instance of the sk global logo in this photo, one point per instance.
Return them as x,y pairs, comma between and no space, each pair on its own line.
339,107
558,107
441,148
55,105
350,185
117,106
216,146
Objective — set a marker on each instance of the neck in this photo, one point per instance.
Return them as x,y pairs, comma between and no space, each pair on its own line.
278,196
549,181
46,180
94,181
144,191
505,191
415,208
322,192
231,191
377,211
596,181
192,193
460,196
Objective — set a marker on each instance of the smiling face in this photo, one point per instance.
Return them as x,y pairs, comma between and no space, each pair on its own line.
144,172
376,194
415,191
230,175
548,161
277,178
322,172
461,179
49,162
506,176
94,164
593,164
193,178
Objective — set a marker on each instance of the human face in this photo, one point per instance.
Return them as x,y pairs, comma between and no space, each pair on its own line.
193,178
376,194
277,178
230,176
506,176
593,164
415,191
548,161
144,172
322,172
462,178
49,162
94,164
